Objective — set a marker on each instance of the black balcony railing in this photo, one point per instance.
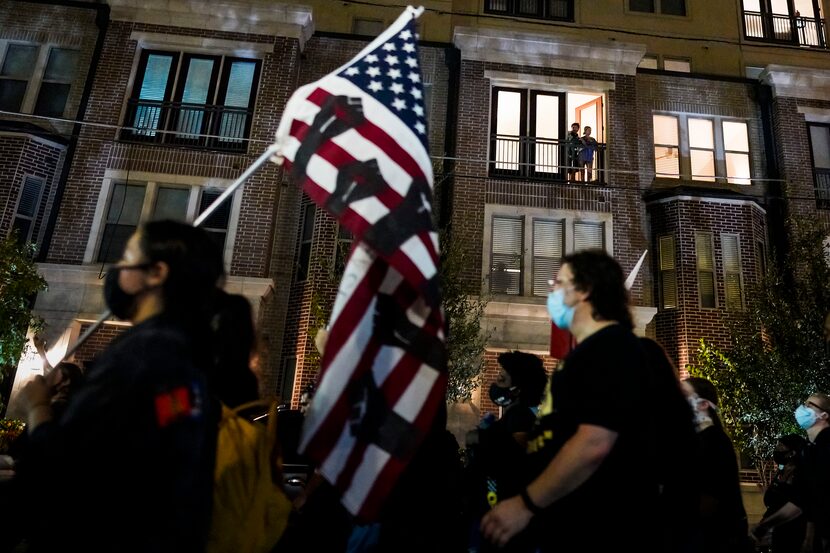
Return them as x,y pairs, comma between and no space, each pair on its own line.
785,29
559,10
822,180
196,125
541,158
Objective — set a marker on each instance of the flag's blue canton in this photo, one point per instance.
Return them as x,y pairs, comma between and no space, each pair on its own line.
392,74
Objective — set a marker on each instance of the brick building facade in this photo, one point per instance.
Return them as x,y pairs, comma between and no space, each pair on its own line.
709,133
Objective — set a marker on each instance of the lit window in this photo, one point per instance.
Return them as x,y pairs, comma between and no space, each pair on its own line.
677,65
701,148
733,277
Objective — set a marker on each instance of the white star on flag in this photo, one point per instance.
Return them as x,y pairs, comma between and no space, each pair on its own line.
420,127
373,71
371,58
399,104
419,111
394,73
408,47
411,62
352,71
389,47
391,60
406,35
397,88
414,77
416,93
375,86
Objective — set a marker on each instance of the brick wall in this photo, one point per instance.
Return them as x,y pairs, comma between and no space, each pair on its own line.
96,343
679,330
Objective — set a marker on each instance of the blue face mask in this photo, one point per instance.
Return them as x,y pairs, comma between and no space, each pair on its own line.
805,417
561,315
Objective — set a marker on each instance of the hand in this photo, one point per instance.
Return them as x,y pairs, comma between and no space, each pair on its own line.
508,518
320,340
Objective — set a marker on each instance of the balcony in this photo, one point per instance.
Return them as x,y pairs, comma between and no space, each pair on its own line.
200,126
822,180
785,29
538,158
556,10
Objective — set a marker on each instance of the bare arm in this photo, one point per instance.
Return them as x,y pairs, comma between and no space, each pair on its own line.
578,459
786,513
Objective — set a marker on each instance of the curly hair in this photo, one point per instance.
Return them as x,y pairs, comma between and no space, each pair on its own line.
599,274
527,373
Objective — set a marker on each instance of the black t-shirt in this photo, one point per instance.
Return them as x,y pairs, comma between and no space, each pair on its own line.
604,381
812,482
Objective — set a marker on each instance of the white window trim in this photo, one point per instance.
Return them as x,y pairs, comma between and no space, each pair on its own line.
153,181
34,82
720,149
529,214
37,204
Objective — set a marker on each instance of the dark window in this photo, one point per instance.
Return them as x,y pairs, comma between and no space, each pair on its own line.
344,247
367,27
24,218
217,224
211,105
123,216
820,150
539,9
666,7
57,80
15,73
304,257
704,252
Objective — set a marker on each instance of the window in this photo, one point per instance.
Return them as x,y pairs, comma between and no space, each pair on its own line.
797,22
668,272
562,10
288,370
760,259
701,148
548,237
132,203
526,127
27,205
343,247
306,235
665,7
704,253
733,279
192,100
36,79
216,225
668,64
820,150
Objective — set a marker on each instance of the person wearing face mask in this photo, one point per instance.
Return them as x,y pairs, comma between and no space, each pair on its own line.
135,447
495,450
593,487
811,483
789,536
722,517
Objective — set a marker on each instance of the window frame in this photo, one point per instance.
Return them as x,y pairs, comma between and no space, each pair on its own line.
528,216
171,106
511,11
35,81
708,236
33,218
152,183
720,151
660,63
667,273
308,208
726,272
658,9
526,166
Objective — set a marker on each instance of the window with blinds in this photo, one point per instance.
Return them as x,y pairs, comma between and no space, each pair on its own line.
506,255
27,206
589,235
733,279
705,259
548,249
306,235
668,272
217,224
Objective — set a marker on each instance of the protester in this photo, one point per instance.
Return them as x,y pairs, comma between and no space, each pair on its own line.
723,521
129,467
573,144
586,154
231,378
788,537
596,488
496,450
676,450
811,484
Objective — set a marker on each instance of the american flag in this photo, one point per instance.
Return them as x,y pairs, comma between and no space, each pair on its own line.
356,140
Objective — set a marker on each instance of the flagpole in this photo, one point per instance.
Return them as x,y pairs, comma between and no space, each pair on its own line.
259,162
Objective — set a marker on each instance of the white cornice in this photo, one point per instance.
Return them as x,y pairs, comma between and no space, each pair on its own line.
797,82
547,50
261,18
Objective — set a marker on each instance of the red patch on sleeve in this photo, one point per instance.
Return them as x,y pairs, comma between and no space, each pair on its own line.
173,405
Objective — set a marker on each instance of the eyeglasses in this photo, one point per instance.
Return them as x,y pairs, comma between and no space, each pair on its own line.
809,403
554,284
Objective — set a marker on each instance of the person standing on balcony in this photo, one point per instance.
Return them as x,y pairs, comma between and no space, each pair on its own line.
586,154
573,144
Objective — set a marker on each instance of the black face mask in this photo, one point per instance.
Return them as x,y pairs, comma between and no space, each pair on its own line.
501,396
781,457
119,302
